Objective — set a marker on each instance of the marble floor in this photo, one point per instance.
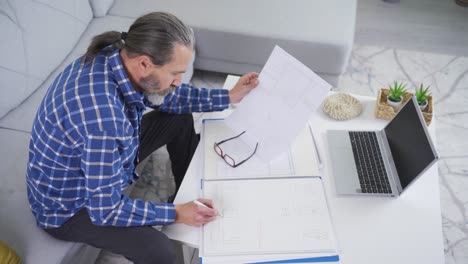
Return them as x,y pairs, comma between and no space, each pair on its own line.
437,26
371,68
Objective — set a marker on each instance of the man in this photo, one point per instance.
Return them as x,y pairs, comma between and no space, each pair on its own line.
90,132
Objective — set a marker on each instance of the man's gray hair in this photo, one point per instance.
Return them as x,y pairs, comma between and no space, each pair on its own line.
154,34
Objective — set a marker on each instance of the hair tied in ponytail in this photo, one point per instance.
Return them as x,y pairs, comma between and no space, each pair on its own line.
123,36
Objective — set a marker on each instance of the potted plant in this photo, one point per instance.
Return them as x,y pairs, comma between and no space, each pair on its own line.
395,94
422,94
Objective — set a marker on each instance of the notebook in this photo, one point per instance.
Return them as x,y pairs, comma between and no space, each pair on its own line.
385,162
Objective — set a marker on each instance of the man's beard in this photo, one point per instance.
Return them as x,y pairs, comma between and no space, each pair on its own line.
151,86
152,90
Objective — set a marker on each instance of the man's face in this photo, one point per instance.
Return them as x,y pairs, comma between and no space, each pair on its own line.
162,80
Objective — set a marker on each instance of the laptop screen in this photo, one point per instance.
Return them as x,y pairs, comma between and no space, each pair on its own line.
410,145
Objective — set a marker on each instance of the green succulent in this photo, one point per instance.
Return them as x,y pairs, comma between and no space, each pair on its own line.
422,93
397,90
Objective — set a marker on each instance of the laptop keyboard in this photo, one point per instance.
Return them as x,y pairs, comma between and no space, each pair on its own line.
370,167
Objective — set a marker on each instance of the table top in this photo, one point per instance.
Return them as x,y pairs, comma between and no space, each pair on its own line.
407,229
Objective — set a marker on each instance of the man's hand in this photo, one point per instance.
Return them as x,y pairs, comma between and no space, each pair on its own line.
195,215
245,84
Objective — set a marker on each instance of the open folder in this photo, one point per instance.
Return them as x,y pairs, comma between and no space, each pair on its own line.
268,212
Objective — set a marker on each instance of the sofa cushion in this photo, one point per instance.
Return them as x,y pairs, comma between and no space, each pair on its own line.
40,35
18,226
22,117
100,7
319,33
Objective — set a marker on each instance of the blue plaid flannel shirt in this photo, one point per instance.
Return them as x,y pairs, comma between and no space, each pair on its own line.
85,140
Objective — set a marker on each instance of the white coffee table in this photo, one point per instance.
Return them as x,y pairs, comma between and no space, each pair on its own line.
400,230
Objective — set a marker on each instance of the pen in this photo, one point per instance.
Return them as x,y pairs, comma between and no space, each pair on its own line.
204,205
319,160
201,204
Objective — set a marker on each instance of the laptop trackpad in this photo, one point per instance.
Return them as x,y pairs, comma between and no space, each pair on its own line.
343,165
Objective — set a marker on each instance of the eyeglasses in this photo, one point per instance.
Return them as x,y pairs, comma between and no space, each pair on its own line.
228,159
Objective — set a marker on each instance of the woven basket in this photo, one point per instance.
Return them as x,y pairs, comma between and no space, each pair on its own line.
384,111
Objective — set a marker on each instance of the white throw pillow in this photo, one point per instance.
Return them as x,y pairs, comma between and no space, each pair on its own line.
100,7
38,37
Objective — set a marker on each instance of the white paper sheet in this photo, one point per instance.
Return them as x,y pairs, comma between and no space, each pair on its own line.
297,221
274,112
216,168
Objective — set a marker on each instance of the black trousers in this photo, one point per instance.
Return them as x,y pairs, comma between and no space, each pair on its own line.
142,244
175,131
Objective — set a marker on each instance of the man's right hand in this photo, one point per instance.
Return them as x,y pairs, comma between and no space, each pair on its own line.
195,215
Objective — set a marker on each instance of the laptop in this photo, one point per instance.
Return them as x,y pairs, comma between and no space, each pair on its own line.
385,162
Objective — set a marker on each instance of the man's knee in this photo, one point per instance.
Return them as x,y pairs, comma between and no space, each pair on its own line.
179,121
185,124
160,255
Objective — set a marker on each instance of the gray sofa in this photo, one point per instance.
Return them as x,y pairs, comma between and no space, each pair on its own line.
39,38
238,36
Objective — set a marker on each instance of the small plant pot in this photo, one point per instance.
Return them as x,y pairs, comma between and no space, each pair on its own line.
395,105
423,105
384,110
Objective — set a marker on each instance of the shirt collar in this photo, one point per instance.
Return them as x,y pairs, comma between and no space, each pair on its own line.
131,96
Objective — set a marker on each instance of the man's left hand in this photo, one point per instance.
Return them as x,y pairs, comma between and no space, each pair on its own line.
245,84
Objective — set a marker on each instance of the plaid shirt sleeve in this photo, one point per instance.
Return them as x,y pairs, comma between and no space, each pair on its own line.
187,99
102,167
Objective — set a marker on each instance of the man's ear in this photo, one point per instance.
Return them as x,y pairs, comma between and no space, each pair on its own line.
144,64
